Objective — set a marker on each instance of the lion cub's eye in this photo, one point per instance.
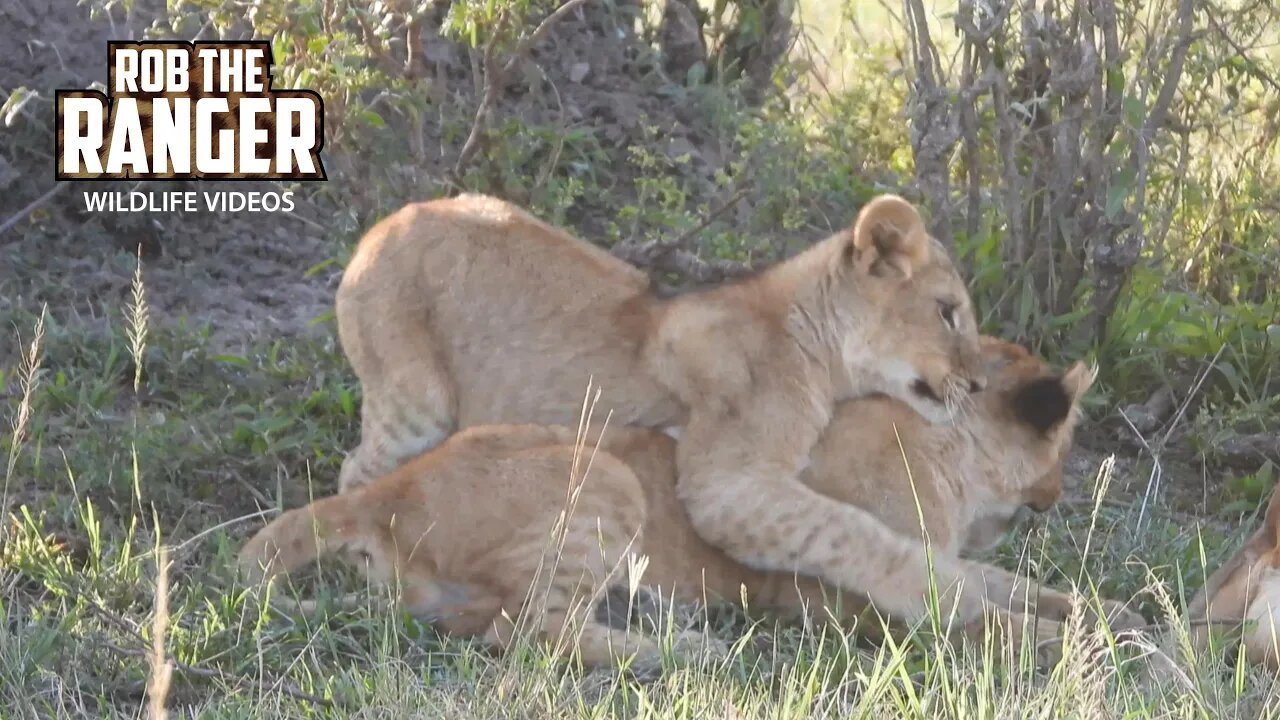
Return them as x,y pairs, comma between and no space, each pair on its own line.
948,312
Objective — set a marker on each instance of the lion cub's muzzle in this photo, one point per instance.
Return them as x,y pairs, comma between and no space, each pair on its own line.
1040,505
947,399
1042,496
974,368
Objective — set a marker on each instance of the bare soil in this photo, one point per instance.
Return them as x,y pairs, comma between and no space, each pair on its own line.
246,276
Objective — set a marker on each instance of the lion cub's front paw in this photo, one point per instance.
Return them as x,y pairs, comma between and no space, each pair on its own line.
687,648
692,646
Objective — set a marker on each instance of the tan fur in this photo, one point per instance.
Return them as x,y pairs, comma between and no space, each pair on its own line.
477,512
1246,590
428,527
468,311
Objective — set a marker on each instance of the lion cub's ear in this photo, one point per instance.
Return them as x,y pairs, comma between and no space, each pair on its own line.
889,238
1078,379
1045,402
1042,403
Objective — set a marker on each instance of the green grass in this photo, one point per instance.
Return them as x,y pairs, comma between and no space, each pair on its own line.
136,440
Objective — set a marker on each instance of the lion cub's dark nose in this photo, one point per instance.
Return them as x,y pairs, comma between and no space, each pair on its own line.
1040,505
977,384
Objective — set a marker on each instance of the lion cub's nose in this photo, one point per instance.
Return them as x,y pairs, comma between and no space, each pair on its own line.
977,384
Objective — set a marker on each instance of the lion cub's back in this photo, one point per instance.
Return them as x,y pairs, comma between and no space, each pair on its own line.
478,229
628,494
522,313
496,496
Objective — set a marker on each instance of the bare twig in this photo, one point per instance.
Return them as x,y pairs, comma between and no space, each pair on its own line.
415,61
699,270
1182,410
536,36
1157,470
1116,260
307,221
33,206
1250,66
1151,414
649,253
495,77
553,159
1249,450
935,128
379,50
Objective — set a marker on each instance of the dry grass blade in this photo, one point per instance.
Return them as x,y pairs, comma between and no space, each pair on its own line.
28,382
161,670
139,321
1102,484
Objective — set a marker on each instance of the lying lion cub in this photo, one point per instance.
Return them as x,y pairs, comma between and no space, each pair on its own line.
1246,589
468,311
466,527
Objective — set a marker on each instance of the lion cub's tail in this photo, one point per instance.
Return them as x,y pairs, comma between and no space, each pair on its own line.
332,524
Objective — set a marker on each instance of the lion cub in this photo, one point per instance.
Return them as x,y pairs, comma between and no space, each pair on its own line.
1246,589
468,311
465,528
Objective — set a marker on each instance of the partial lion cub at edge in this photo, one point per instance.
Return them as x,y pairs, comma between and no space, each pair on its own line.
465,527
469,311
1246,589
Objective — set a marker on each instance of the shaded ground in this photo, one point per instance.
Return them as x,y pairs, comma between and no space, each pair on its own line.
245,278
242,275
596,89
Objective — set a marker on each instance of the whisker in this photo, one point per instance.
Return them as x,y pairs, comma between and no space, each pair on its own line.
957,400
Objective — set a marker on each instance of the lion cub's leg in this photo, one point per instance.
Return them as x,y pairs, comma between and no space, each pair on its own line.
571,573
759,514
576,629
1012,633
454,608
762,517
586,561
408,407
596,644
1049,604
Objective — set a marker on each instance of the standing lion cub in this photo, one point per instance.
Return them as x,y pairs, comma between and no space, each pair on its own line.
466,528
469,311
